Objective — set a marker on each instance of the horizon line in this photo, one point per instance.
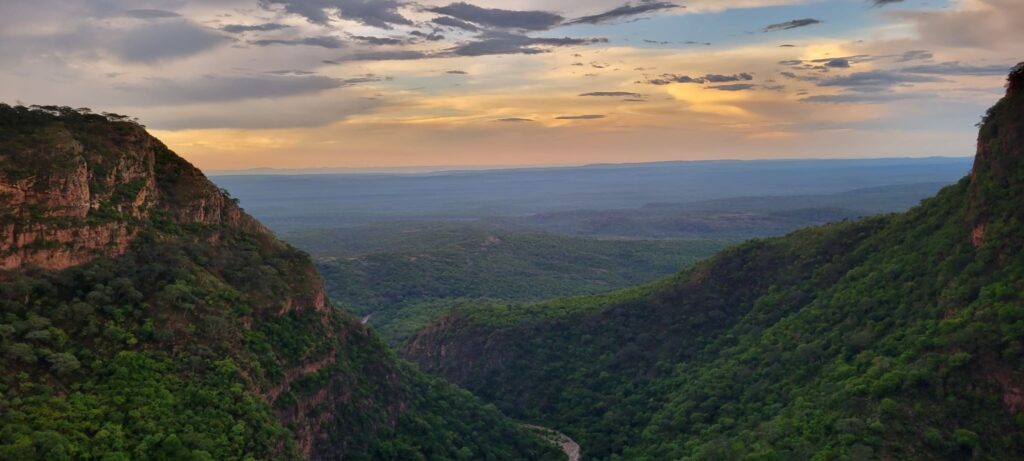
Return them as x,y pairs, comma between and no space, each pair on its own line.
435,169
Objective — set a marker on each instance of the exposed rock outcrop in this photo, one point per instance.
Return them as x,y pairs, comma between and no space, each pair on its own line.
82,190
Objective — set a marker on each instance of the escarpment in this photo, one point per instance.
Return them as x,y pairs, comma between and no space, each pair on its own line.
75,186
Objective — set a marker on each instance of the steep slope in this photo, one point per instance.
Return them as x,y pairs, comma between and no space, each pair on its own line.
896,337
144,315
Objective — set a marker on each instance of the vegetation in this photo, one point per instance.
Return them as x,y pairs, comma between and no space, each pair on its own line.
896,337
403,275
205,340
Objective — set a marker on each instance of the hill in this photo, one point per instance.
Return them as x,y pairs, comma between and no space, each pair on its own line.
895,337
144,315
399,276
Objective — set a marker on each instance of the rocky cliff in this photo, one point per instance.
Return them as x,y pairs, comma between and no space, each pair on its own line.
74,186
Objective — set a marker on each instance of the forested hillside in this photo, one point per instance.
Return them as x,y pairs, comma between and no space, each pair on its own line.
896,337
400,276
145,316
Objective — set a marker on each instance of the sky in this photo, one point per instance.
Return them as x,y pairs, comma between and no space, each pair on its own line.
298,84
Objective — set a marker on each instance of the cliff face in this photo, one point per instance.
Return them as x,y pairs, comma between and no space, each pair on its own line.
997,178
75,186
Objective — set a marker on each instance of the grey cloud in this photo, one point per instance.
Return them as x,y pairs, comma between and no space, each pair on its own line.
377,40
529,20
838,63
376,13
796,23
240,28
580,117
165,40
325,41
368,78
718,78
802,78
875,81
398,55
666,79
431,37
513,120
734,87
150,14
914,55
618,94
457,72
627,10
955,68
506,43
456,23
291,72
881,3
230,88
861,98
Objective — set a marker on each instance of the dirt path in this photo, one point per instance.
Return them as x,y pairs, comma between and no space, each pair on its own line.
568,445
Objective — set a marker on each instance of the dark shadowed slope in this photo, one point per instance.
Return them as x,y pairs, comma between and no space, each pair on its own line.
896,337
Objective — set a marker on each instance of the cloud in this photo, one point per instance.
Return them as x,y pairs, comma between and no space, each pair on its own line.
150,14
862,98
914,55
796,23
456,23
580,117
508,19
734,87
240,28
624,11
165,40
881,3
955,68
457,72
619,94
377,40
666,79
718,78
325,41
230,88
291,72
876,80
396,55
494,43
802,78
838,63
514,120
434,36
376,13
988,25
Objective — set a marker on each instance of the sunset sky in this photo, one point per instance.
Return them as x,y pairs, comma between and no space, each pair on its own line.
238,84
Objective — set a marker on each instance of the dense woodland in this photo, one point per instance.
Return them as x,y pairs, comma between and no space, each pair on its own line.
403,275
895,337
